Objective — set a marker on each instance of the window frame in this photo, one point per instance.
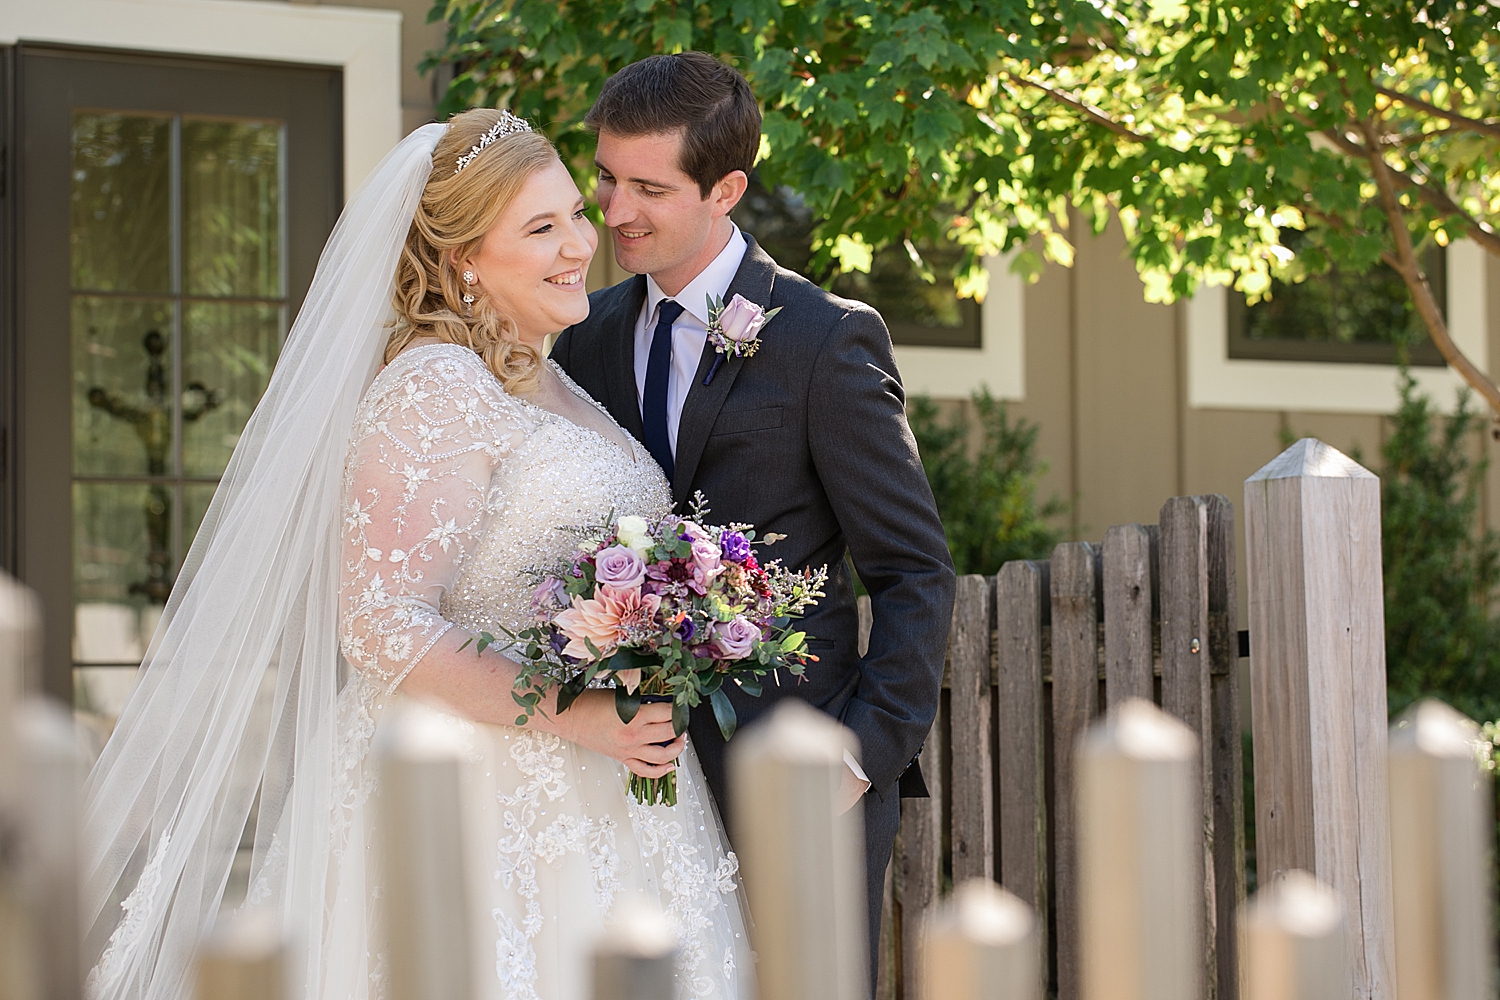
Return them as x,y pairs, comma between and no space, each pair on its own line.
1217,381
1424,354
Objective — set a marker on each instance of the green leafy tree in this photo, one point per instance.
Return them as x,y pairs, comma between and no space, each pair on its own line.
1206,127
986,496
1441,569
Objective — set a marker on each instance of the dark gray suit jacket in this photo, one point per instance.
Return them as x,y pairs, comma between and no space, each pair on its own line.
807,438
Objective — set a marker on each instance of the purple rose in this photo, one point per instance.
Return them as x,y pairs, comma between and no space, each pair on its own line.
735,640
706,557
619,568
735,546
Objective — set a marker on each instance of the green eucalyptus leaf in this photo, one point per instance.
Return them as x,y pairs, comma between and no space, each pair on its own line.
724,713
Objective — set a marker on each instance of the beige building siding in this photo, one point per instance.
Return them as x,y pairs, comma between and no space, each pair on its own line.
1106,381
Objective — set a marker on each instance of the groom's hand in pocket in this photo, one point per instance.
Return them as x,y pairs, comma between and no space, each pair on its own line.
592,722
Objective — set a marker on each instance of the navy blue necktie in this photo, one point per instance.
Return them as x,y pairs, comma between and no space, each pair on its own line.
658,377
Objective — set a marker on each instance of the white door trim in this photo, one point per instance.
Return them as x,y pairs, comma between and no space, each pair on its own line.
365,44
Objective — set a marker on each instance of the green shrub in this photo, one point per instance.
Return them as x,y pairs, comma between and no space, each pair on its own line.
986,491
1441,569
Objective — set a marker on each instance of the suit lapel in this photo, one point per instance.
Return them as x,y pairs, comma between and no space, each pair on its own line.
622,400
753,280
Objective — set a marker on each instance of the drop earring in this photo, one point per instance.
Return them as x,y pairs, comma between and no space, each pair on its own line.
468,295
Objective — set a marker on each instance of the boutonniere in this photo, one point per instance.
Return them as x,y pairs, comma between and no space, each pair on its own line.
734,329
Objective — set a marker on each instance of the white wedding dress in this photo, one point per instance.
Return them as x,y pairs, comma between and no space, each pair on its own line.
453,490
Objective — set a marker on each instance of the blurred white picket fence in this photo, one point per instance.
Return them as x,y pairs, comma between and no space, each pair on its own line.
1373,840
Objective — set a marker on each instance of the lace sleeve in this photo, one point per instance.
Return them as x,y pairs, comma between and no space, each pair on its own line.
429,437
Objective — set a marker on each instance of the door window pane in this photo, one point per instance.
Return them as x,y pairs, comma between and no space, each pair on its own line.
195,500
121,202
117,555
122,368
229,349
231,201
163,385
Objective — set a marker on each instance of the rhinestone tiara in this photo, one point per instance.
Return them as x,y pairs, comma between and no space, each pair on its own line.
508,124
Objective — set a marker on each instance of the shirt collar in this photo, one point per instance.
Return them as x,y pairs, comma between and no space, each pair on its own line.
714,279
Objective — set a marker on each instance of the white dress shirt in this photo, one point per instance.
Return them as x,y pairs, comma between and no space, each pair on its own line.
689,333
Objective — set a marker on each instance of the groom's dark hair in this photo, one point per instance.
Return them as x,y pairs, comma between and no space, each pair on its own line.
709,102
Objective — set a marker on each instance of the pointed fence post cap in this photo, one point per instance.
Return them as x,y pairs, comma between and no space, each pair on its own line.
1432,729
1138,730
1298,904
1312,459
795,733
637,929
419,734
982,912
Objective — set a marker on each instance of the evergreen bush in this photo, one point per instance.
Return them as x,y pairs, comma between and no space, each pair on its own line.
1441,568
986,491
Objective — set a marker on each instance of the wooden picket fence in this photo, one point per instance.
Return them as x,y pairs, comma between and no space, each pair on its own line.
1036,653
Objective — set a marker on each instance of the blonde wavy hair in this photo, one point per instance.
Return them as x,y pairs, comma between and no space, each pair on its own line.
456,211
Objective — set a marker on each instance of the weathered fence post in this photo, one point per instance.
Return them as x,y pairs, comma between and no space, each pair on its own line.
919,867
1140,859
1186,691
1022,607
1317,639
1075,696
1294,942
243,959
634,959
426,898
973,792
980,945
52,763
1442,823
1130,571
1228,776
41,772
803,864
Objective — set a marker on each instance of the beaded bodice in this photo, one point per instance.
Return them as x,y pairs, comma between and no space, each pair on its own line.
454,490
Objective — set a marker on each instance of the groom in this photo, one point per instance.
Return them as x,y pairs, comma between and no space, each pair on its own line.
807,438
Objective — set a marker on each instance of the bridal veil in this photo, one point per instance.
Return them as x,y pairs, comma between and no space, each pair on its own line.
237,693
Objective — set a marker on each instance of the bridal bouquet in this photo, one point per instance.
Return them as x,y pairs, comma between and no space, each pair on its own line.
672,611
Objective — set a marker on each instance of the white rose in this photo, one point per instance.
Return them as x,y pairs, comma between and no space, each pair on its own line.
634,534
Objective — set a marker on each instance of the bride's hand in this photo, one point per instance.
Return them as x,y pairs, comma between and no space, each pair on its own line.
592,721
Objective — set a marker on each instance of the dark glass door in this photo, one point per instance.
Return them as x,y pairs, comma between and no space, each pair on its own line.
171,215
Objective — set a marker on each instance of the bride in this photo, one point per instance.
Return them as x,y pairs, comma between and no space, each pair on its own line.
413,456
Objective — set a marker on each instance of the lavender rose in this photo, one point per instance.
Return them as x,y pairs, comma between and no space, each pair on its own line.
742,319
734,640
619,568
549,594
735,547
706,557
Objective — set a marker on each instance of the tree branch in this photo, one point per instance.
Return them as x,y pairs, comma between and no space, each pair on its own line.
1405,263
1483,127
1432,193
1087,110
